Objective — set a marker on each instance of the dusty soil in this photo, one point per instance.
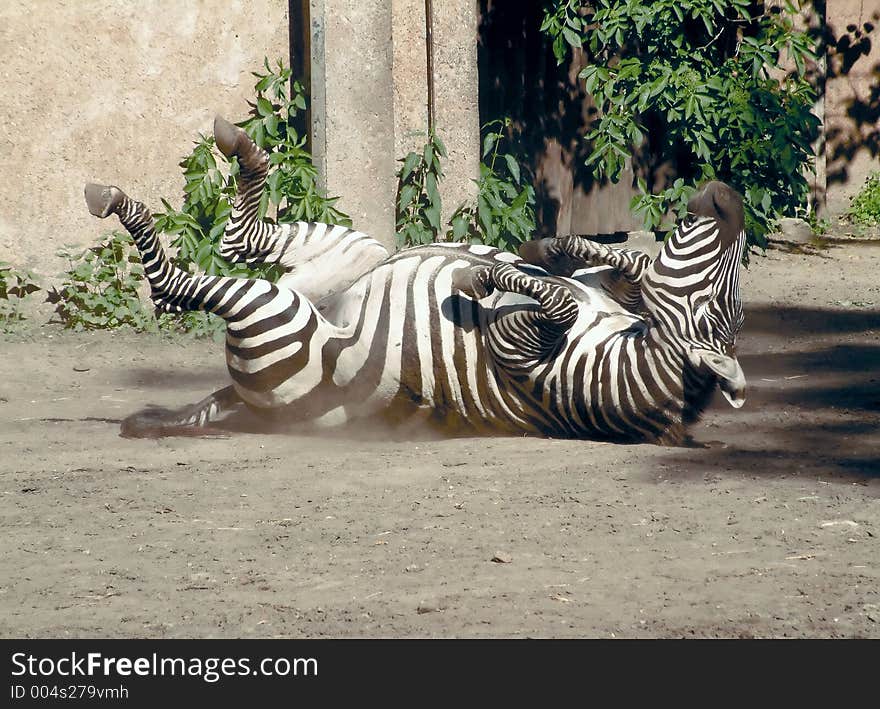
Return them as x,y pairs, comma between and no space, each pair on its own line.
774,532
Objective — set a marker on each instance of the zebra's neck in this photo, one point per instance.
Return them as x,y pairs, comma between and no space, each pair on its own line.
643,384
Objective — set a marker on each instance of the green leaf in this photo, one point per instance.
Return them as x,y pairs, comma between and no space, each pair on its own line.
459,227
405,198
489,143
572,37
264,107
432,213
431,189
409,164
271,124
513,166
439,147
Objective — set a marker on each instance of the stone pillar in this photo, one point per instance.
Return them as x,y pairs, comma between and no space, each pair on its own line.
353,110
369,89
456,96
410,72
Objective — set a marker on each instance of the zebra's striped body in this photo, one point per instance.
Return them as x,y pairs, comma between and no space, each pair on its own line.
466,336
405,342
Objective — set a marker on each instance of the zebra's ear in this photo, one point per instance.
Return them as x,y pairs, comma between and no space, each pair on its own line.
730,375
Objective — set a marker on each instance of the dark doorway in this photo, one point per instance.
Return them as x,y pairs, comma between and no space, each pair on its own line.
519,78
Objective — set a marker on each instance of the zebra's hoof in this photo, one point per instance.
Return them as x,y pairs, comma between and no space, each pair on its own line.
227,136
535,252
540,253
103,200
472,281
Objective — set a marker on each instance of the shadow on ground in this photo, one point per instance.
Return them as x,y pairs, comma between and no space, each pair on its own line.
814,395
787,321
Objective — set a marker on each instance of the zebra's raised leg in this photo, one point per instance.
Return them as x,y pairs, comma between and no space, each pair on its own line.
173,289
246,237
270,330
565,255
558,308
521,336
165,280
318,259
579,252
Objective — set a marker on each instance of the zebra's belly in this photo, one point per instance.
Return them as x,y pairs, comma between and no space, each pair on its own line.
405,344
408,345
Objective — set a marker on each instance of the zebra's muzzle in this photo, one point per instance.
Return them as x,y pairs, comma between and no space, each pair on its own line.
731,379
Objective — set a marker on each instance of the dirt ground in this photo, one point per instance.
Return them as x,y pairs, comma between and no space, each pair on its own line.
773,533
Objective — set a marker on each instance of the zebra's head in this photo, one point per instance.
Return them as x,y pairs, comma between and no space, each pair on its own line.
692,287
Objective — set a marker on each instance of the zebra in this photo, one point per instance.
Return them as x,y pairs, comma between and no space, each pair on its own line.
569,338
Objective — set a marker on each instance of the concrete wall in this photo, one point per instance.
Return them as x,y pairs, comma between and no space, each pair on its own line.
409,75
114,91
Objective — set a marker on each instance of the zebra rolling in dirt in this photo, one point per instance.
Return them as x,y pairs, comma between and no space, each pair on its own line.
570,339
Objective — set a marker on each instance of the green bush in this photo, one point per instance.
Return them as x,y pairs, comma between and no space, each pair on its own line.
15,287
100,290
501,215
504,212
418,196
864,208
709,78
100,287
